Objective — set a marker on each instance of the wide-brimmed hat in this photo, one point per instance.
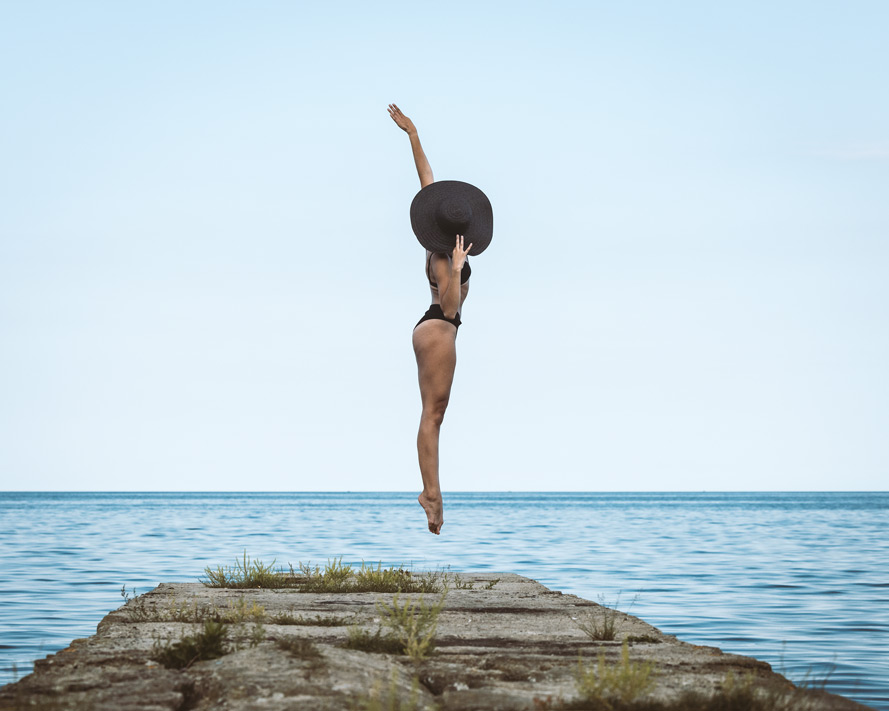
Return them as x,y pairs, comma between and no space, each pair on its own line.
448,208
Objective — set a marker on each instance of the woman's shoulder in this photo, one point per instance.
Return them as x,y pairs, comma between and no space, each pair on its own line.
437,257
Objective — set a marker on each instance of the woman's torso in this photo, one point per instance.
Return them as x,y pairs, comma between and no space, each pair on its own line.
433,286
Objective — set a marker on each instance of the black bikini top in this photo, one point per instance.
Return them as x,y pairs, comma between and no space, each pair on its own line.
465,273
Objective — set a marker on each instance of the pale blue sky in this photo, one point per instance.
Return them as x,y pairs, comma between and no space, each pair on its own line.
208,279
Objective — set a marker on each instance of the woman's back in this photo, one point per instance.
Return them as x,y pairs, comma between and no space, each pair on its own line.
465,273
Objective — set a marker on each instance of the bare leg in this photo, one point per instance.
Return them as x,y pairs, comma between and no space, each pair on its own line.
435,348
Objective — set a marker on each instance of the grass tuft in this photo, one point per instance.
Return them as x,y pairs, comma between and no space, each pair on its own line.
405,628
605,626
604,684
375,642
599,629
257,635
244,573
642,639
462,584
136,608
334,577
733,696
241,611
287,618
413,623
209,643
379,579
181,611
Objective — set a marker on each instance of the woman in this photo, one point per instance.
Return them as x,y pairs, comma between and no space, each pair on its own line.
442,215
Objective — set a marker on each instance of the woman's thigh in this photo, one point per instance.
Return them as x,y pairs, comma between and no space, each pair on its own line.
435,346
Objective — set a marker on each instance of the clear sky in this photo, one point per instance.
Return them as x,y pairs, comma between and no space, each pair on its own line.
208,279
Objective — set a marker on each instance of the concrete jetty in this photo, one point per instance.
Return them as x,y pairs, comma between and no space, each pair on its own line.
501,642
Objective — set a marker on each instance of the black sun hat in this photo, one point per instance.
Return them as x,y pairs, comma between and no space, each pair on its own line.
448,208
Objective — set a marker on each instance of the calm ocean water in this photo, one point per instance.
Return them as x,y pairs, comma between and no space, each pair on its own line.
800,580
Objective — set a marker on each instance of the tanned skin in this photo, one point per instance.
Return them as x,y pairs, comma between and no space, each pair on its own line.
435,343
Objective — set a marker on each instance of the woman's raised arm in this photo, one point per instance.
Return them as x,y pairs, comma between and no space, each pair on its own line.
424,170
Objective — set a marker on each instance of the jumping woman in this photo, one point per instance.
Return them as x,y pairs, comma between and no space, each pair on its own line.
451,219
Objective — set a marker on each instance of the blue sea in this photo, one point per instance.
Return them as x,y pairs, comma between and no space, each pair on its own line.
800,580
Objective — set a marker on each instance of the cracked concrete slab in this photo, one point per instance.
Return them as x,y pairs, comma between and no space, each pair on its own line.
514,646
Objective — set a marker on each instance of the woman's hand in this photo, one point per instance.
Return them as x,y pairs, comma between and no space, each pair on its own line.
402,121
459,254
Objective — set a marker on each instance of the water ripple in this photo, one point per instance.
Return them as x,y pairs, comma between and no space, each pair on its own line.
798,580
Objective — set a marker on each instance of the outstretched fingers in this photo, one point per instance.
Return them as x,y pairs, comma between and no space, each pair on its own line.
402,121
459,251
396,113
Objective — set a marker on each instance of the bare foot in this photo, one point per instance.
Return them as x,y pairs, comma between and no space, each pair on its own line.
433,506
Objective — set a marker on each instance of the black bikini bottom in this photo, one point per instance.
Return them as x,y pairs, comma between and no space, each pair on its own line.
435,312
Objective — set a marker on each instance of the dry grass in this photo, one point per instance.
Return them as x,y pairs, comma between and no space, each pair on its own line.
413,623
604,685
334,577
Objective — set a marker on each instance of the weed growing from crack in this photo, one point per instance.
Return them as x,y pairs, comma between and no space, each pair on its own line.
257,634
376,642
334,577
461,584
405,628
240,611
136,608
733,695
214,639
603,628
642,639
237,612
413,623
209,643
603,684
185,612
244,573
379,579
287,618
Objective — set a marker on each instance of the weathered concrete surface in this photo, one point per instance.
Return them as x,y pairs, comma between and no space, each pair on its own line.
515,646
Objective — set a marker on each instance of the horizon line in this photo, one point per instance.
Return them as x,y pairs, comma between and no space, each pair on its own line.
464,491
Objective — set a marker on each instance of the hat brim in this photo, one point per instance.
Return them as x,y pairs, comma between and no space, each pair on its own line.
429,233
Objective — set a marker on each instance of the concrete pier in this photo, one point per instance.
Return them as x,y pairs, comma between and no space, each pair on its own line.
510,644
